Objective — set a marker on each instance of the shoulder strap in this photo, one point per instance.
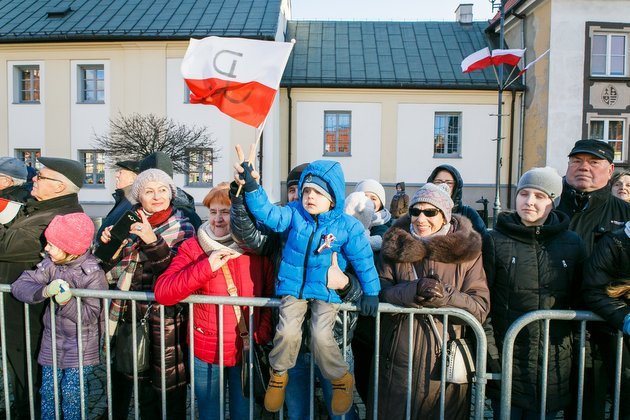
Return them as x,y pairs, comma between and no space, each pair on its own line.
232,291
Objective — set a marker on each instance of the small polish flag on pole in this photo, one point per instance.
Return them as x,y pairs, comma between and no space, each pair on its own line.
237,75
8,210
477,61
509,57
532,63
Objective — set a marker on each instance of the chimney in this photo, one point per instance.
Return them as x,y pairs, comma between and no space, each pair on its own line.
464,13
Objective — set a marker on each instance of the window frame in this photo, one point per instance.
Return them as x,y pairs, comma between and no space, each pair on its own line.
200,167
95,173
18,80
32,161
458,153
81,83
338,128
608,54
606,128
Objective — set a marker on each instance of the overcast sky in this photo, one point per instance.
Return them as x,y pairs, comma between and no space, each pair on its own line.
397,10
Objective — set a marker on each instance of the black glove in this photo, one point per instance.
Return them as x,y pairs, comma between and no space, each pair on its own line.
250,182
369,305
233,189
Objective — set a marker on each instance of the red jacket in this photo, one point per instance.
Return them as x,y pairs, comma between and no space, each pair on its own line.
190,273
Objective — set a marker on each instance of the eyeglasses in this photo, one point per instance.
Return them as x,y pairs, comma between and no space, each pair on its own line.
416,212
40,177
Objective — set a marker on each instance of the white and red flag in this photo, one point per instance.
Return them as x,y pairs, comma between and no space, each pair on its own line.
477,61
237,75
531,64
509,57
8,210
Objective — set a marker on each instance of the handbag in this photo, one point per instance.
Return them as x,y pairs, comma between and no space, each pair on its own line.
260,360
460,360
123,350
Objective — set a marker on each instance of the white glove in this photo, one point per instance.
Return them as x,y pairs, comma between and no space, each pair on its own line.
54,288
63,297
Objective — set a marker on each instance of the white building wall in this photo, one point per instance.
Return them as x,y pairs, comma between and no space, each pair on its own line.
566,69
365,147
26,122
415,160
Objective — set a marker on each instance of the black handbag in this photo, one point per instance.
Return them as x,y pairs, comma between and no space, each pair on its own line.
123,349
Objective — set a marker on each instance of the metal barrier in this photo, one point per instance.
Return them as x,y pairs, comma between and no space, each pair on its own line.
106,296
546,316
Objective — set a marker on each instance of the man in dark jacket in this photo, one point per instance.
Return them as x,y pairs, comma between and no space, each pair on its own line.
126,173
55,192
594,211
13,176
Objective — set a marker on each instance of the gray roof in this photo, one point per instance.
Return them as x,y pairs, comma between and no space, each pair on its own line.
91,20
386,55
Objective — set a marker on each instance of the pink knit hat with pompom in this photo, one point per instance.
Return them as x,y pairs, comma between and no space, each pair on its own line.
72,233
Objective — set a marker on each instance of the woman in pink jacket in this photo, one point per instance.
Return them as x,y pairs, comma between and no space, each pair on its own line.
201,267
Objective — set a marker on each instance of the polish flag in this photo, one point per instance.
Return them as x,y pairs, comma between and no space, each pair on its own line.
239,76
477,61
8,210
509,57
531,64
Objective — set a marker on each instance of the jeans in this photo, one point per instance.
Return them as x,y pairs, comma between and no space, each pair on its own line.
69,392
297,395
207,391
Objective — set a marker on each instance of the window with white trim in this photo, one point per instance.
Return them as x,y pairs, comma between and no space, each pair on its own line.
337,133
91,83
608,54
94,163
29,157
199,168
27,83
447,130
613,131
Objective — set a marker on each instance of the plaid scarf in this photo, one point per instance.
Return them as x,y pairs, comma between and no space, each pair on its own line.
174,231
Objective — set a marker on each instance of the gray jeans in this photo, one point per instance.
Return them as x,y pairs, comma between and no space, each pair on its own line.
286,343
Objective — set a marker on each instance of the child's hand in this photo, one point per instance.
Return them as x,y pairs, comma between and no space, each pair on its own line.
369,305
63,297
54,288
220,257
335,278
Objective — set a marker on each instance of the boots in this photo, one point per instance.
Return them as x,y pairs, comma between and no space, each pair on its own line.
274,397
342,394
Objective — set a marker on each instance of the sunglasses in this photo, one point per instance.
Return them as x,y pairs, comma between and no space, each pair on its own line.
416,212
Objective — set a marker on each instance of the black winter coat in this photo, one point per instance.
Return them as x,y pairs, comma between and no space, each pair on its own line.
122,203
532,268
21,245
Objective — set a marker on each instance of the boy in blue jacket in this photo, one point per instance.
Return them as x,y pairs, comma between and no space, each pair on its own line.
315,227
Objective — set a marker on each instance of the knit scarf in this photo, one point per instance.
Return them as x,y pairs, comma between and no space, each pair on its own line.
381,217
210,242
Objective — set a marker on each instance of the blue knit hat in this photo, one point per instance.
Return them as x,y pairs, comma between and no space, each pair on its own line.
318,184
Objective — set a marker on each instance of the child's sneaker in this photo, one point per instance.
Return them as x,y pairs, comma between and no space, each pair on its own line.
342,394
274,397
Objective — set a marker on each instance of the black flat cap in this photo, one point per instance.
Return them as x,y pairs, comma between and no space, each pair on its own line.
598,148
130,165
71,169
157,160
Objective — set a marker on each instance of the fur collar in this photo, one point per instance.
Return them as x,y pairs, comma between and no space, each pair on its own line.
461,244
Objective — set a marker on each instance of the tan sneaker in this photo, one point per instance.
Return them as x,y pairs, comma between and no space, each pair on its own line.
342,394
274,397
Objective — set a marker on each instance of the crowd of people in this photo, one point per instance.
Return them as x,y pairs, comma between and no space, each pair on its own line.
564,246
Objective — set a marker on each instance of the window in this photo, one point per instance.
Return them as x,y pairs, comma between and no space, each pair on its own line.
94,163
447,134
612,131
26,84
29,156
91,84
199,168
608,55
337,130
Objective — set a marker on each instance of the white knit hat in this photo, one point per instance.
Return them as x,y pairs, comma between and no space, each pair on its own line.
373,186
152,175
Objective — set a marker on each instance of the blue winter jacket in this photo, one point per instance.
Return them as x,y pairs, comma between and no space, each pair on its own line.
303,271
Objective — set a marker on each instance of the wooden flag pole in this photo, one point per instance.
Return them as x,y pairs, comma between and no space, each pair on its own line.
251,158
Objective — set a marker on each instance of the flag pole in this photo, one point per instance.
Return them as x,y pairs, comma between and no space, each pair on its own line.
252,151
497,192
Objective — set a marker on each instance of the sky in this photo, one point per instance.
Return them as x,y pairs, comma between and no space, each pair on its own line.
396,10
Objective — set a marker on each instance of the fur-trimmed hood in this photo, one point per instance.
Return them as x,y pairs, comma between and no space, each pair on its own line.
461,244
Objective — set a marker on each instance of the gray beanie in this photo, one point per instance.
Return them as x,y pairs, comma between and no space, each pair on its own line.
436,195
15,168
544,179
373,186
152,175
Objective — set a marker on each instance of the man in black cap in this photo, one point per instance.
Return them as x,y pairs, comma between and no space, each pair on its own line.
126,173
55,192
594,211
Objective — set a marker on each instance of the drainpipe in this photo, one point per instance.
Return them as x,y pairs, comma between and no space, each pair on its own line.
510,160
521,123
289,128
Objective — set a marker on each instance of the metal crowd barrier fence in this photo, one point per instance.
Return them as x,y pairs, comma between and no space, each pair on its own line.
546,316
106,296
